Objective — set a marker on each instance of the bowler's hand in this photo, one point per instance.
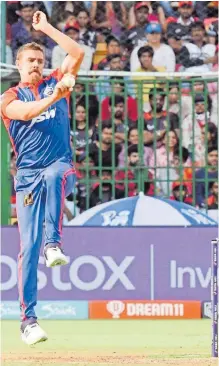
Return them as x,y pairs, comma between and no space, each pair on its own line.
39,21
61,91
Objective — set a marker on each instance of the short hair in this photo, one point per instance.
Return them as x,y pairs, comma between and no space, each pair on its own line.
212,148
84,11
118,99
210,185
106,124
145,49
132,149
173,84
158,91
185,152
111,38
197,24
114,55
29,46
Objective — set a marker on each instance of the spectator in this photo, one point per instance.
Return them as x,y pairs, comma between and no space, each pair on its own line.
127,179
209,138
164,163
206,175
145,56
136,33
21,31
103,87
58,55
109,14
103,192
82,134
183,166
179,102
101,151
180,193
192,125
70,210
158,121
155,13
163,55
119,121
133,139
185,18
212,200
113,47
66,17
64,12
198,56
87,35
117,87
176,42
84,171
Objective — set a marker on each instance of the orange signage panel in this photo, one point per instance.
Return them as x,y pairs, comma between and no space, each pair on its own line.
137,309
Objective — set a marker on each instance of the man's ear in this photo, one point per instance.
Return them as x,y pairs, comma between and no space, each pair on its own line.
18,12
17,63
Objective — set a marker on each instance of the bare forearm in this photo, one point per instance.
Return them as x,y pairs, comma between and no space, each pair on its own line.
26,111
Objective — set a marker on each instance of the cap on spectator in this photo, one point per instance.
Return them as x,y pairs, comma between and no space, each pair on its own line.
25,4
176,33
141,4
185,3
153,28
199,99
73,25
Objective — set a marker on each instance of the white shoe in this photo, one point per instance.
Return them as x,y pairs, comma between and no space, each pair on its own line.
33,334
55,257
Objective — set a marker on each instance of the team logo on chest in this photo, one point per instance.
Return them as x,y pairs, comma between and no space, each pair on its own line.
48,91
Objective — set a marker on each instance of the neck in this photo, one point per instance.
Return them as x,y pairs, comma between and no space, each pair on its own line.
118,121
185,20
28,81
81,124
199,43
149,68
154,45
102,146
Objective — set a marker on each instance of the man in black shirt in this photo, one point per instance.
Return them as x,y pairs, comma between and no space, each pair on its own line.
158,121
104,152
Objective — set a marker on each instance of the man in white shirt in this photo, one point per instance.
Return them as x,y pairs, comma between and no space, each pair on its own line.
164,56
198,56
58,55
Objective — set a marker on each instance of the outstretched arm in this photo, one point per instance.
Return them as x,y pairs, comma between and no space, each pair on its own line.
75,56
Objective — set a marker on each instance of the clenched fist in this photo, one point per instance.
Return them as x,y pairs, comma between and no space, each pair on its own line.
39,21
61,91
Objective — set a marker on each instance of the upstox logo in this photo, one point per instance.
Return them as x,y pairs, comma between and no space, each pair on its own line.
43,116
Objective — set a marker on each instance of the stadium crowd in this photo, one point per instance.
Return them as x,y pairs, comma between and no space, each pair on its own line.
169,136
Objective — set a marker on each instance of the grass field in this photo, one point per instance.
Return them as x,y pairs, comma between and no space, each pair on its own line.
98,343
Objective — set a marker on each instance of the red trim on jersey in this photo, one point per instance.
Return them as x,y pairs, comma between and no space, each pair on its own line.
67,173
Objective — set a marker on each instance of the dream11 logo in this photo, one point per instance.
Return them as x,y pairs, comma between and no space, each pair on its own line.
119,273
